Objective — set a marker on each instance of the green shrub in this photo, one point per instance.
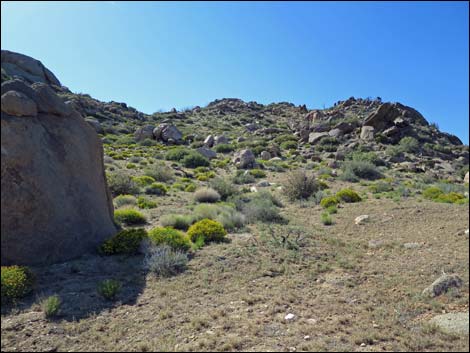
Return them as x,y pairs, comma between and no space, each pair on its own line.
329,201
243,177
370,157
190,188
348,195
289,145
122,200
326,219
207,229
121,184
145,203
171,237
177,154
353,170
451,197
181,222
224,148
409,144
261,206
131,166
380,187
332,210
17,282
160,172
156,189
257,173
432,193
143,180
125,242
194,160
230,218
224,187
206,195
129,216
109,289
300,185
51,306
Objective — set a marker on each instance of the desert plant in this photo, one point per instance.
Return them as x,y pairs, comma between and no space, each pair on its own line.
243,177
181,222
177,154
257,173
326,219
51,306
194,160
143,180
224,148
329,201
355,170
156,189
190,188
207,229
160,172
409,144
348,195
224,187
145,203
164,261
16,283
123,200
109,289
262,207
129,216
230,218
206,195
121,184
125,242
171,237
300,185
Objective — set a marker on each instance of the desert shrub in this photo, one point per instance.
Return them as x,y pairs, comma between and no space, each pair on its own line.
109,289
257,173
224,187
243,177
129,216
230,218
190,188
300,185
156,189
177,154
143,180
194,160
144,203
51,306
355,170
437,194
224,148
171,237
380,187
122,200
348,195
289,145
370,157
164,261
181,222
131,166
329,201
261,206
147,142
409,144
206,195
432,193
121,184
16,281
125,242
207,229
160,172
332,210
326,219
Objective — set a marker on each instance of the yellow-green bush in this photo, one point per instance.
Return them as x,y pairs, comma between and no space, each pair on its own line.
348,195
171,237
156,189
432,193
208,230
145,203
129,216
143,180
17,282
125,242
329,201
436,194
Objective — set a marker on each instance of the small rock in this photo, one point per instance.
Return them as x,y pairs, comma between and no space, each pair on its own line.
412,245
289,317
306,337
263,184
374,244
253,189
442,285
361,219
453,323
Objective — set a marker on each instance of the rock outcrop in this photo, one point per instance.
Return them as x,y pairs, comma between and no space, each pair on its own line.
55,204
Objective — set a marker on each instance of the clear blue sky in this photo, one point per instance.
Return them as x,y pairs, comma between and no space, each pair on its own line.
162,55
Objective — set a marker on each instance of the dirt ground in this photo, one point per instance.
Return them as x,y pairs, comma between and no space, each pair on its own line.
346,293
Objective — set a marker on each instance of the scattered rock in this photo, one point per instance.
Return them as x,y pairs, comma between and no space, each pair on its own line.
222,139
374,244
412,245
265,155
209,141
144,132
466,179
361,219
95,124
442,285
263,184
48,101
452,323
206,152
314,137
244,159
168,133
367,133
289,317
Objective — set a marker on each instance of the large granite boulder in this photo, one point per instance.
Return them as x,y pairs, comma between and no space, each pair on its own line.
55,203
168,133
144,132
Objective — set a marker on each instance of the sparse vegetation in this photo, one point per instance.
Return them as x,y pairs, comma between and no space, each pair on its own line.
300,185
208,230
17,282
129,217
125,242
170,237
109,289
51,306
206,195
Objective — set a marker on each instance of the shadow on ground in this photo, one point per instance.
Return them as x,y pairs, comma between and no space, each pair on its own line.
76,282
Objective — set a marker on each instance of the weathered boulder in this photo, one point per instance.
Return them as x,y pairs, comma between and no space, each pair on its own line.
55,204
382,117
265,155
209,141
168,133
95,124
144,132
48,101
206,152
221,139
32,70
466,179
367,133
314,137
18,104
244,159
442,285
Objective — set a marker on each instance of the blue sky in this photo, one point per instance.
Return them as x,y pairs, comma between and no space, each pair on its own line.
156,55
